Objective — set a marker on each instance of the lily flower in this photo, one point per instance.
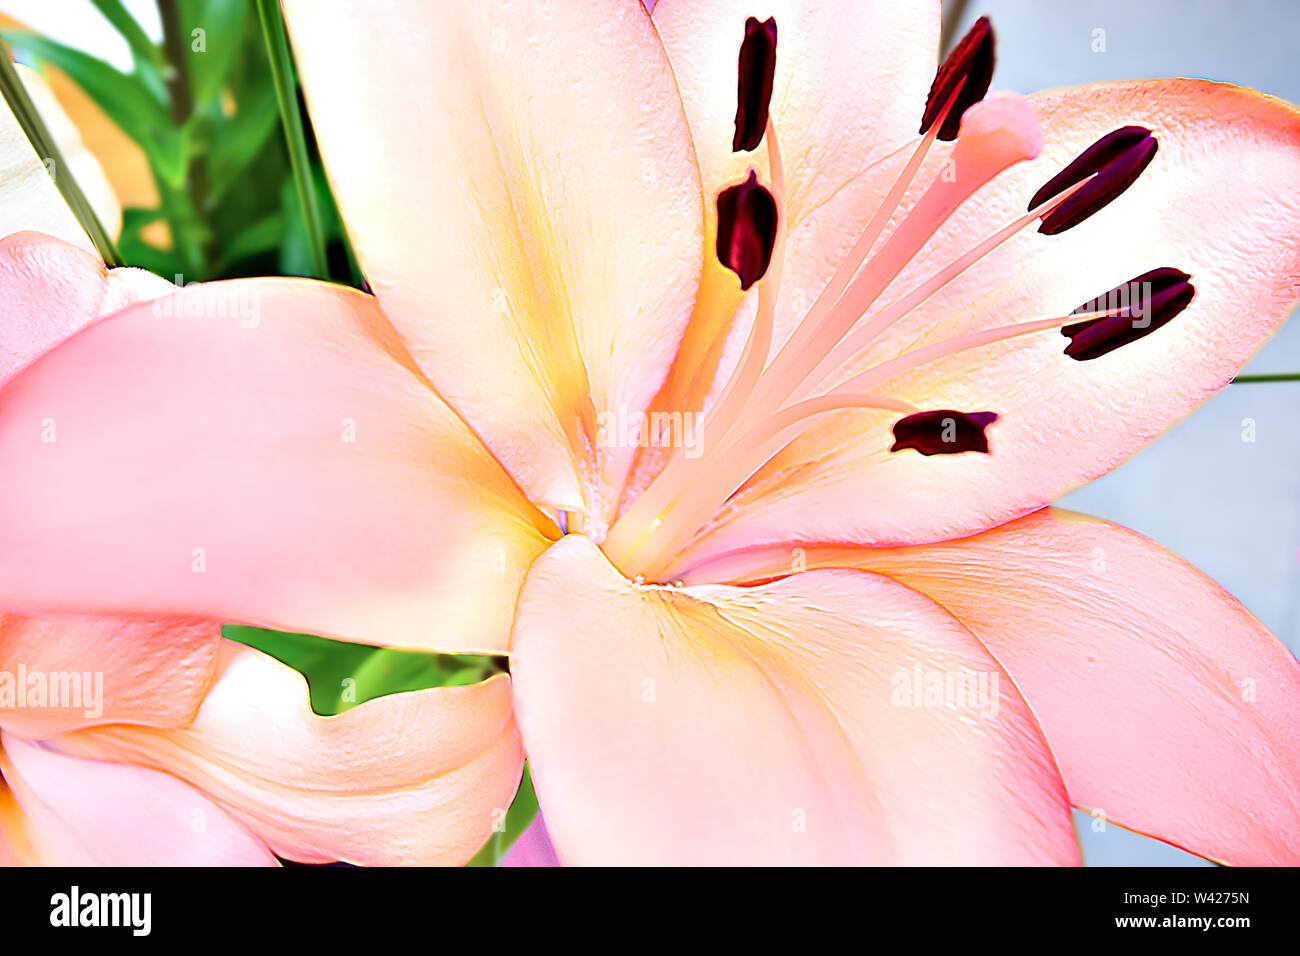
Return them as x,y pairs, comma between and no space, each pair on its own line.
193,776
721,370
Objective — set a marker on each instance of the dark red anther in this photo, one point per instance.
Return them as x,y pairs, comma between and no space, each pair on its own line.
1145,303
1118,159
747,220
943,432
757,67
970,64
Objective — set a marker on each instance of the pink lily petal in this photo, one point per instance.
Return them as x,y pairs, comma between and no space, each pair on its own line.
52,289
533,848
259,451
1219,202
412,778
64,811
762,725
539,254
1170,709
103,670
29,198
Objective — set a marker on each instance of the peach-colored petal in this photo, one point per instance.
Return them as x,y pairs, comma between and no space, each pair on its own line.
65,811
848,94
765,725
519,183
50,289
258,451
73,671
29,199
1170,709
1221,201
411,778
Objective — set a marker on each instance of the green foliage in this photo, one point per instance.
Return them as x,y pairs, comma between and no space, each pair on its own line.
203,107
342,675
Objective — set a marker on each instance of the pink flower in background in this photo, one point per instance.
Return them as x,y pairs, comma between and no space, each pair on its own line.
823,614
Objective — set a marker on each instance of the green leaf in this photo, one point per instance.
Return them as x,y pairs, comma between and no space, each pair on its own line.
342,675
213,28
261,237
392,671
124,98
296,254
144,50
235,149
1271,377
168,153
325,663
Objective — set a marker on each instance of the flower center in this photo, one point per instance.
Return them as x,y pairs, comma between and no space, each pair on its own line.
769,400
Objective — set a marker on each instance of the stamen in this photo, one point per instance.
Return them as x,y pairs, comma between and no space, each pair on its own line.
926,354
696,503
1141,306
721,421
1117,159
849,266
758,345
998,133
747,222
970,67
862,336
756,69
734,395
943,432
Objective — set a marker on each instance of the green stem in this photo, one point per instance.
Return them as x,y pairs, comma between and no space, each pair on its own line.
1275,377
277,48
20,104
187,211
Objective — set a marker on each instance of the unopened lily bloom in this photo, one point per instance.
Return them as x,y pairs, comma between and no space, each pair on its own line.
720,370
148,740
